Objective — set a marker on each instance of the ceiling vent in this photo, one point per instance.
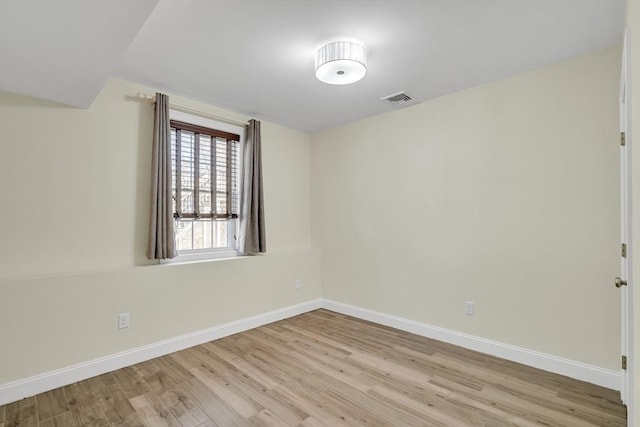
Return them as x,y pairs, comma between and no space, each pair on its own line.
397,98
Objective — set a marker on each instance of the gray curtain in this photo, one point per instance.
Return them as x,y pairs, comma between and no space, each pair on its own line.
251,239
161,234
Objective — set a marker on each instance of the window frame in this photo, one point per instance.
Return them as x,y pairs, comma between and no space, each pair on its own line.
222,127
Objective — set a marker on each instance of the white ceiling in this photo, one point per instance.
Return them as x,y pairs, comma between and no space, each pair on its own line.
64,51
257,56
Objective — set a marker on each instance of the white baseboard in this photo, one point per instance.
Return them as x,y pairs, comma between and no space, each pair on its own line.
570,368
13,391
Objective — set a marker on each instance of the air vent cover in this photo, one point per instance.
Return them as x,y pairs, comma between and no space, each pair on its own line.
397,98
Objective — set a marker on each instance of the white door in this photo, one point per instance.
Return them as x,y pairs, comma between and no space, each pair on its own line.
624,282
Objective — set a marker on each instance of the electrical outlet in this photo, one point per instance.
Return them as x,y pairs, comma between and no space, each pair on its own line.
468,308
123,320
298,284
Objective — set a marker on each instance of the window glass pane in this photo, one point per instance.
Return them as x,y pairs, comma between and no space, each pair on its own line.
201,234
221,175
184,234
220,234
235,200
173,170
204,179
187,152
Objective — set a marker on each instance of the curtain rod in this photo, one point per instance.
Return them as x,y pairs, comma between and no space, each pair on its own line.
182,108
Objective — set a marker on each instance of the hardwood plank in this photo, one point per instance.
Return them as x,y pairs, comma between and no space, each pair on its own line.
349,397
289,367
338,369
312,422
263,363
186,358
131,382
488,410
430,412
215,408
115,404
237,344
307,401
309,333
430,396
255,372
246,386
313,345
151,412
51,404
184,408
569,408
227,392
271,342
85,405
146,369
21,413
279,334
477,377
603,400
533,411
158,381
173,369
266,418
347,411
388,368
219,349
62,420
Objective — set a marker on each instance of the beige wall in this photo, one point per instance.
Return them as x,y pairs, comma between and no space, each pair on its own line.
633,28
506,195
74,196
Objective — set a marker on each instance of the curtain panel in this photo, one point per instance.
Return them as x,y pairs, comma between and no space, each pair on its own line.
161,243
252,239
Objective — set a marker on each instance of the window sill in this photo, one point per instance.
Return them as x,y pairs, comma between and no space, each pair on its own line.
202,257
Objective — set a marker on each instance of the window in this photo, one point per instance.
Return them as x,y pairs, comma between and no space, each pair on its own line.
205,177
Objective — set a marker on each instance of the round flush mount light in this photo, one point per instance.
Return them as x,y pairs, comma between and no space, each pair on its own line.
341,63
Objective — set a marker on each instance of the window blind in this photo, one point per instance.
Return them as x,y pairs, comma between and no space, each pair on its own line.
205,172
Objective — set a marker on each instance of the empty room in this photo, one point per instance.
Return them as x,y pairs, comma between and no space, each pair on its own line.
319,213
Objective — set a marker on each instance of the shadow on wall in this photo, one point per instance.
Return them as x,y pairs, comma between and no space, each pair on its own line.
11,100
143,180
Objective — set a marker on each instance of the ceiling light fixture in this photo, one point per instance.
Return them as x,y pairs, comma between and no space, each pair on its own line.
341,63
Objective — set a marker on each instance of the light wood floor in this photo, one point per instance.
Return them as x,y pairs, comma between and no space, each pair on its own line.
322,369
